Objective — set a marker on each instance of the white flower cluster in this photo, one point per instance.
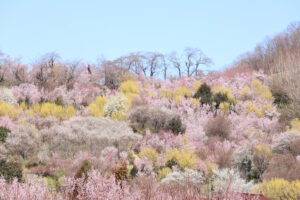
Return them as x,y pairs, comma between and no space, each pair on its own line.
7,95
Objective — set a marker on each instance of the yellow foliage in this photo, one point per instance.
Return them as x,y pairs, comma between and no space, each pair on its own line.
129,87
225,107
224,90
295,124
261,91
9,110
130,90
278,189
185,139
96,108
149,153
184,158
252,108
267,107
195,102
245,91
165,94
23,106
262,149
51,109
178,99
197,85
162,173
182,91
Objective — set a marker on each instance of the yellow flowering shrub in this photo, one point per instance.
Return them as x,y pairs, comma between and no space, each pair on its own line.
262,149
225,107
185,139
51,109
195,102
96,108
165,94
149,153
183,92
261,91
129,87
9,110
130,90
224,90
267,108
245,91
295,125
252,108
184,158
197,85
278,189
162,173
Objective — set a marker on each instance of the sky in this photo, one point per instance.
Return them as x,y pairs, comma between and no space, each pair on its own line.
84,30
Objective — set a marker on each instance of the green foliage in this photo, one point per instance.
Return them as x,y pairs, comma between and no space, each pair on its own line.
10,170
219,98
204,92
3,133
175,125
134,171
83,170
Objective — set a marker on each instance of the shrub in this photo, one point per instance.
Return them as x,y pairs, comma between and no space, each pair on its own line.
283,166
88,134
295,147
7,96
281,144
24,140
96,108
261,157
10,170
129,87
281,99
278,189
220,127
220,98
3,133
149,153
162,173
9,110
155,119
189,176
230,180
116,108
261,91
204,92
51,109
121,172
175,125
184,158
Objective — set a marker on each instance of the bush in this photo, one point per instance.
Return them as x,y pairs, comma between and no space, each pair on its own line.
283,166
3,133
116,107
261,157
220,98
278,189
121,172
10,170
187,177
149,153
6,95
175,125
96,108
230,180
88,134
51,109
24,140
204,92
220,127
183,158
282,143
155,119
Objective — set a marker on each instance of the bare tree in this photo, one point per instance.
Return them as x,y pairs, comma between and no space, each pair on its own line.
155,62
175,60
194,58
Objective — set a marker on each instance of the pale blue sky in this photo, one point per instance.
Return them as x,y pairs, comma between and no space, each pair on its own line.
86,29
